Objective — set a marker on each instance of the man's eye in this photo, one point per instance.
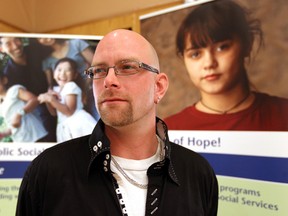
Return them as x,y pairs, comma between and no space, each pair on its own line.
99,70
128,67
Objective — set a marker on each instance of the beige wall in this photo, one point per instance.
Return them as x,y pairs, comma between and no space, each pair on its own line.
97,27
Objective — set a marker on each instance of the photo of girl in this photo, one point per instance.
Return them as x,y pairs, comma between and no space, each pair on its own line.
81,52
215,42
65,101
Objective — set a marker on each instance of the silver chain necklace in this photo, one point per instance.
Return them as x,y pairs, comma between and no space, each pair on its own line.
132,181
127,177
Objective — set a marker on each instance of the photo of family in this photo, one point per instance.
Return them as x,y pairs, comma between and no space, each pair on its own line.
43,92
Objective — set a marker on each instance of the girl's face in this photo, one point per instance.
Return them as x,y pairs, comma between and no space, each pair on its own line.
64,73
217,68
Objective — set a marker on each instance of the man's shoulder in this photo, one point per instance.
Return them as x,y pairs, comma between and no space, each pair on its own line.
71,145
56,163
63,152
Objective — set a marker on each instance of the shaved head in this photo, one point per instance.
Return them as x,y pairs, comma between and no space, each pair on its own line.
127,100
126,43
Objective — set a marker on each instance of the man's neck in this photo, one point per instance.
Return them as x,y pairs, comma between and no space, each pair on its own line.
131,143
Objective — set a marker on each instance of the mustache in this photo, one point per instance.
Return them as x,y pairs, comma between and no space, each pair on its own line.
111,94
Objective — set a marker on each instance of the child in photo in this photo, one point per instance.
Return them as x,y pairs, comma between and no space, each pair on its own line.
78,50
65,101
16,107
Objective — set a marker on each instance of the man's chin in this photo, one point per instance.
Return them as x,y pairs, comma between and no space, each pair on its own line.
116,121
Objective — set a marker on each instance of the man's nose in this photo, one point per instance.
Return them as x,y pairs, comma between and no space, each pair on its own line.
111,79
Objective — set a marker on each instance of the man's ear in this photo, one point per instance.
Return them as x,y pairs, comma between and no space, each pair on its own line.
161,86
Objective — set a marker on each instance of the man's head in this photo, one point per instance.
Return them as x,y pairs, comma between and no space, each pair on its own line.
123,100
12,46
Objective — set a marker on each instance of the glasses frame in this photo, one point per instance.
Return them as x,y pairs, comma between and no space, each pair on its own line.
140,65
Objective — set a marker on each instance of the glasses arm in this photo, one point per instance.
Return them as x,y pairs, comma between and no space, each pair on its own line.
148,67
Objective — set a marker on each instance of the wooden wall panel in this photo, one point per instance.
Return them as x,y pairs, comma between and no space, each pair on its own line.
7,28
101,27
98,27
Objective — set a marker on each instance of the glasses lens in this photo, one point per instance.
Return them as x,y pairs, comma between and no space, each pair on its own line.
96,72
126,68
123,68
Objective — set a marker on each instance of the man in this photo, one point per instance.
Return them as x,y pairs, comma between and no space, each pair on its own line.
24,67
123,167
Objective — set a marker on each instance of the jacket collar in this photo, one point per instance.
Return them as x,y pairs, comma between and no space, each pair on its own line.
99,146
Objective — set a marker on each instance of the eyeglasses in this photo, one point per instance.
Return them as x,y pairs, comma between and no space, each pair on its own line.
122,68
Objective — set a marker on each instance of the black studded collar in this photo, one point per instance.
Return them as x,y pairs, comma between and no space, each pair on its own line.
99,145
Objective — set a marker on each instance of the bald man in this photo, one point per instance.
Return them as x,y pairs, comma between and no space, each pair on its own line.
127,166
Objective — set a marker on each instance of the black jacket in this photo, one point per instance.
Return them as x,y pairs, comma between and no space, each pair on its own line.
74,178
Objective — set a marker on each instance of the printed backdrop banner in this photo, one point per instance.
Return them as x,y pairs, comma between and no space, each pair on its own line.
14,160
251,167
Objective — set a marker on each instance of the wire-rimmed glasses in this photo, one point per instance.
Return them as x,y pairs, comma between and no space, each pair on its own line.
122,68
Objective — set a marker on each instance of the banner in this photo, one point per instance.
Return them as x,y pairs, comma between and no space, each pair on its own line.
251,168
14,160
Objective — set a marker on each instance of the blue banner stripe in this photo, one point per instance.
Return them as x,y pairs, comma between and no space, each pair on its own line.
13,169
251,167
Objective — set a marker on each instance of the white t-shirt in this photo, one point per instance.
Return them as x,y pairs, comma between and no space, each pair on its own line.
81,123
134,197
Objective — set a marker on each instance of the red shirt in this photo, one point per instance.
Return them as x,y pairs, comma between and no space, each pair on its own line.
267,113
